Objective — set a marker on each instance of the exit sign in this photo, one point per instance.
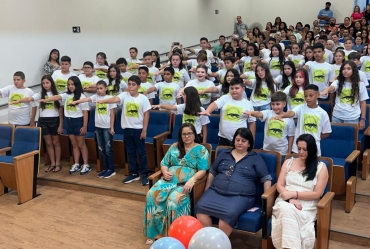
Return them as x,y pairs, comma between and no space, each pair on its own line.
76,29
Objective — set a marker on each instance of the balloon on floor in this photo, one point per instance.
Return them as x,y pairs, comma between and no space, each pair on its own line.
183,229
166,243
209,238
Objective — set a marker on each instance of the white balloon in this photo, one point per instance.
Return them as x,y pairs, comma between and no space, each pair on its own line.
209,238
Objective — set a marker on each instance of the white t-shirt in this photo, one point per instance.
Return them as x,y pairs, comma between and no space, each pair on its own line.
49,109
232,116
313,121
145,86
204,98
152,79
221,75
61,79
328,56
343,108
279,81
336,69
100,74
102,111
18,114
347,52
125,76
250,75
365,67
167,92
180,77
363,78
266,53
274,65
132,62
87,81
264,98
73,111
112,92
133,109
277,132
320,74
296,59
247,63
196,121
209,56
219,88
297,100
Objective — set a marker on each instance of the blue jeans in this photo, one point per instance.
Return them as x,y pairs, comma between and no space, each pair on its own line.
262,107
135,145
105,142
337,120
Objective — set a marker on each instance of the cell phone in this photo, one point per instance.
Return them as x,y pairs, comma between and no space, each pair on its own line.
176,43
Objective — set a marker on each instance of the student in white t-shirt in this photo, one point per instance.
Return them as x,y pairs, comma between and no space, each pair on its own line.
250,75
200,60
284,80
312,119
319,71
295,92
19,114
204,46
296,57
220,74
167,89
104,125
181,76
145,85
356,58
337,62
263,87
328,56
348,44
114,81
265,53
153,77
190,109
201,83
88,79
252,51
231,115
101,66
132,61
279,136
365,63
122,65
61,76
350,101
134,122
50,120
276,60
77,118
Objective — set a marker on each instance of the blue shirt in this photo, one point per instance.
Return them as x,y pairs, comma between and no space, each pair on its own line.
242,180
358,47
325,12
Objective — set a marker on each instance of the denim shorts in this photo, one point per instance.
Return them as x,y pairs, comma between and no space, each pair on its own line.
74,126
262,107
337,120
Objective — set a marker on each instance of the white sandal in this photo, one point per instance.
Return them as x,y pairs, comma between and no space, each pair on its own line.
149,242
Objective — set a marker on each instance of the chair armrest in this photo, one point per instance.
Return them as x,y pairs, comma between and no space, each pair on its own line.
197,191
162,135
367,131
29,154
353,156
324,207
268,200
6,149
325,200
154,178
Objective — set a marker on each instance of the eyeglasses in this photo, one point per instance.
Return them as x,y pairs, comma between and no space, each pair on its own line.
187,134
230,171
87,67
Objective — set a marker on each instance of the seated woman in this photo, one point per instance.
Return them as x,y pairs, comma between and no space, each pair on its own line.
185,162
231,183
301,183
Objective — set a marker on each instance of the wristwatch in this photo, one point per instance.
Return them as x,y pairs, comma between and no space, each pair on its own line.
363,118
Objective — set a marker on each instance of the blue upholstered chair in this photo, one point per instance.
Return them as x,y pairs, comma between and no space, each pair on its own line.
19,169
341,146
169,141
363,146
119,150
212,133
6,136
323,210
260,134
327,106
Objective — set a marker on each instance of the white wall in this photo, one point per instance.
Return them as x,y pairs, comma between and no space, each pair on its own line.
292,11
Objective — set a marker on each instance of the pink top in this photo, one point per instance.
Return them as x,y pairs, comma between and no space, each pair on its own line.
356,16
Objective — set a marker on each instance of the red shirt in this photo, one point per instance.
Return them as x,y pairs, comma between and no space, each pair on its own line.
356,16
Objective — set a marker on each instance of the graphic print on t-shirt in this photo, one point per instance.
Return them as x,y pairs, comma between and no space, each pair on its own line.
132,110
190,119
86,83
70,107
142,89
167,93
233,113
275,65
150,77
111,91
204,95
367,67
346,96
297,100
247,66
318,75
131,64
100,74
296,61
176,77
15,97
275,128
336,71
311,123
102,108
61,84
263,95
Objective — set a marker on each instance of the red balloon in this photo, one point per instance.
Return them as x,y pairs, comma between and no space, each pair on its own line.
183,228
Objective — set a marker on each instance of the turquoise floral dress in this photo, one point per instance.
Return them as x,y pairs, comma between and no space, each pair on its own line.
165,200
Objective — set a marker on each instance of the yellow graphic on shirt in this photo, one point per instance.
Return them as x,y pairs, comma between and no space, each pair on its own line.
125,79
131,64
296,61
275,65
233,113
297,100
251,77
102,108
86,84
177,77
318,75
132,110
346,96
190,119
71,108
275,128
61,84
247,66
101,75
203,96
111,91
15,97
167,93
150,77
324,57
263,95
142,89
311,123
49,105
367,67
336,71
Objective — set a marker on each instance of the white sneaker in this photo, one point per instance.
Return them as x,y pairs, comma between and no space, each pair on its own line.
75,167
85,169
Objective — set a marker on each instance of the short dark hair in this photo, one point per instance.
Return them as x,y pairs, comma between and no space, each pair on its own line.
202,56
354,56
311,87
144,68
135,79
222,36
121,61
246,134
133,48
328,3
169,69
20,74
323,37
237,81
89,63
278,97
66,58
319,45
147,53
204,39
229,58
